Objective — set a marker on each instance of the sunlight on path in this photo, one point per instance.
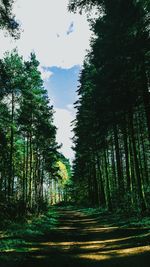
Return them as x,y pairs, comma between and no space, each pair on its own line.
85,241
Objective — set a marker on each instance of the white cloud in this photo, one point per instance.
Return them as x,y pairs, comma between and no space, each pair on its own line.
43,21
62,120
71,109
45,73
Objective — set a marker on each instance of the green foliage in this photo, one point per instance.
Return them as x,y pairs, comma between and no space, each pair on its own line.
61,183
20,237
112,126
28,146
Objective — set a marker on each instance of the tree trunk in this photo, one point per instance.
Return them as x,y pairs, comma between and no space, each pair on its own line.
137,170
118,163
11,176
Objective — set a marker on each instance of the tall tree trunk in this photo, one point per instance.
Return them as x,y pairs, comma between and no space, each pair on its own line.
30,171
118,163
101,194
11,176
126,150
27,167
113,164
137,170
146,95
145,148
24,171
109,205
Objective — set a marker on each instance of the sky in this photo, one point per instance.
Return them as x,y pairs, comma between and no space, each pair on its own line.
60,40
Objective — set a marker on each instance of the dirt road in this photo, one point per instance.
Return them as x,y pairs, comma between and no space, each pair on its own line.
89,241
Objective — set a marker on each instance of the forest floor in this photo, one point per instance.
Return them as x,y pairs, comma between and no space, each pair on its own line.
69,237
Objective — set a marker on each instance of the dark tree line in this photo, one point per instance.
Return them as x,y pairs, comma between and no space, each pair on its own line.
112,126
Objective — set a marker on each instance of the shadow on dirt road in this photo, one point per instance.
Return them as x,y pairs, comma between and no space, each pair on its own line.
82,240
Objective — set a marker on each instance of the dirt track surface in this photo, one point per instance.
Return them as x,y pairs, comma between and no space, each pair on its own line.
89,241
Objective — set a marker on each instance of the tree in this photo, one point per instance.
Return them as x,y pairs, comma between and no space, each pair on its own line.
7,19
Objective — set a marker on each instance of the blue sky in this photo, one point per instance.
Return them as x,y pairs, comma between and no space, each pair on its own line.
62,85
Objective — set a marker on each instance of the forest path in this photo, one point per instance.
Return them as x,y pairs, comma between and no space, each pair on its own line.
89,241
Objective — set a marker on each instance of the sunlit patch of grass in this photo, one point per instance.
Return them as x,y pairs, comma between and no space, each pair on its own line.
3,234
12,244
9,250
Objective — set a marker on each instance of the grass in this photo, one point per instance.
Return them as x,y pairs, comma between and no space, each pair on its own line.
121,219
20,236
